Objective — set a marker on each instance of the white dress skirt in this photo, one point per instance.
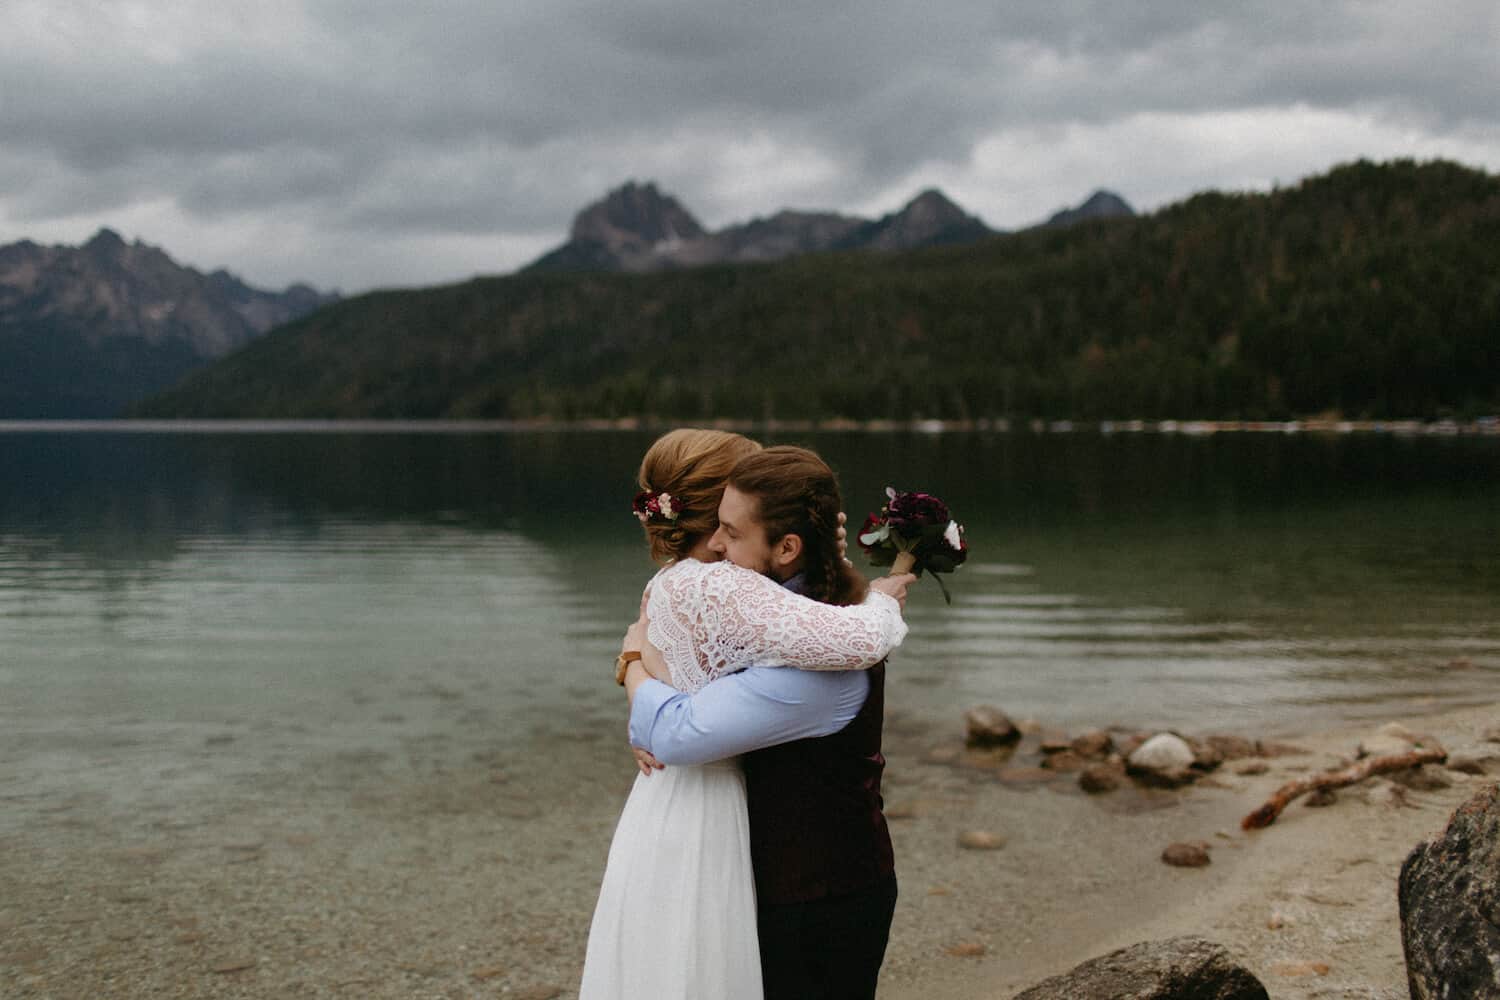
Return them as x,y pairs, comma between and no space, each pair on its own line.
676,911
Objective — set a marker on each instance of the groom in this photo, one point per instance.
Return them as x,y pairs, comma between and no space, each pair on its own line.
824,870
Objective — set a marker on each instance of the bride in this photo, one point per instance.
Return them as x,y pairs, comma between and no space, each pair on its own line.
676,914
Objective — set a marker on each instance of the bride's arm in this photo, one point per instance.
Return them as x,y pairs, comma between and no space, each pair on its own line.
730,618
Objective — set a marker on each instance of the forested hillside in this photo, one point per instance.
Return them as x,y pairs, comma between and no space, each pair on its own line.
1370,291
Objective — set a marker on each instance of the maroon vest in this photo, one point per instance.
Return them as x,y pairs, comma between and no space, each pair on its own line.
816,829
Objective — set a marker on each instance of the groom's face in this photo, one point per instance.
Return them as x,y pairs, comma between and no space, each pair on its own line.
741,538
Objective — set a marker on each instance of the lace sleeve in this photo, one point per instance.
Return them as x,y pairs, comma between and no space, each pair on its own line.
711,619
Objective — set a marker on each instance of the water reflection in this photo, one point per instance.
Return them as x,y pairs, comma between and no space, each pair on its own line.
1139,577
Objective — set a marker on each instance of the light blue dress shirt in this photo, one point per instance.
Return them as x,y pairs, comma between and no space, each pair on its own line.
755,708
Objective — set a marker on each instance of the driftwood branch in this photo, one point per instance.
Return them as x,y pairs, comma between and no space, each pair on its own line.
1354,773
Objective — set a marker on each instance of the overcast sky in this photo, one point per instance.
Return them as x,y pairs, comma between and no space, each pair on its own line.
362,143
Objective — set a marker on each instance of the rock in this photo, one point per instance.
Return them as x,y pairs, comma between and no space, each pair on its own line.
1277,920
1184,968
1320,798
1065,760
1206,756
1184,855
1098,778
1491,734
1232,747
1164,759
980,840
1055,741
488,972
968,949
1422,779
987,726
1093,744
1448,892
1130,743
1250,767
1394,738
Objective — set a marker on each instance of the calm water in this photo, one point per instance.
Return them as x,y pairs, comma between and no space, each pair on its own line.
162,590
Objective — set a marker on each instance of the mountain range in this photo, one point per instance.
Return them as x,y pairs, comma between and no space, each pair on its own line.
638,228
88,331
1368,291
85,331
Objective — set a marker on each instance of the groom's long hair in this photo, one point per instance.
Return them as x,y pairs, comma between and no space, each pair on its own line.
798,494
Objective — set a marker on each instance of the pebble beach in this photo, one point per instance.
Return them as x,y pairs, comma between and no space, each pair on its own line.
448,865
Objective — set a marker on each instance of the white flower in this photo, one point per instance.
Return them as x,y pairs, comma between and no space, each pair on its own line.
665,502
954,536
880,534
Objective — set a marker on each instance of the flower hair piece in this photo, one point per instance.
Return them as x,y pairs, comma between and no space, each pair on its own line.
650,504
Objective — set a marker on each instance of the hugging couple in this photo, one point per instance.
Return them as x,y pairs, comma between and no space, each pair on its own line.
752,859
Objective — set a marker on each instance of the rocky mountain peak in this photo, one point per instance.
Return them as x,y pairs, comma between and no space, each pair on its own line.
929,219
105,243
638,228
113,321
635,216
933,207
1101,204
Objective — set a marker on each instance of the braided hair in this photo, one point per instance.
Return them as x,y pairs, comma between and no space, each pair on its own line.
798,494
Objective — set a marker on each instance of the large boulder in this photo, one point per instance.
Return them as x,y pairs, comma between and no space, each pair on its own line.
1450,906
1183,968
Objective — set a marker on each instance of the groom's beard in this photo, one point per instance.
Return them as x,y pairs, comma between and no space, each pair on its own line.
761,565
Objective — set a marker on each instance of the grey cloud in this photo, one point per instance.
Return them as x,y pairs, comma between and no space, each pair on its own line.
380,117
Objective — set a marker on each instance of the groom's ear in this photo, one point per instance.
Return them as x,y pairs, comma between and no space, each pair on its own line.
786,551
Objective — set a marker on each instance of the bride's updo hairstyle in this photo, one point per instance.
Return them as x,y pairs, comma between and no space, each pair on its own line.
798,494
691,465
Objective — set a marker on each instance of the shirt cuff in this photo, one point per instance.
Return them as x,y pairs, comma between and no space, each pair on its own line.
650,697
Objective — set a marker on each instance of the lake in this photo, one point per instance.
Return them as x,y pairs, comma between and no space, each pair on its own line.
289,594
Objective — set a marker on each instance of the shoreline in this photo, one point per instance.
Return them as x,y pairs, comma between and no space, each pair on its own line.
1482,427
1308,905
440,865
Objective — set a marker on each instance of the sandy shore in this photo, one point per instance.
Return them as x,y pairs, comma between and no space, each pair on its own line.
448,865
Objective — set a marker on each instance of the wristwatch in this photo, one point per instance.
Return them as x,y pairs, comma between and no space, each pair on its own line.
623,662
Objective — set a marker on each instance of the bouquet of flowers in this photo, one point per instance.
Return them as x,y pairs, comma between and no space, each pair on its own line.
913,532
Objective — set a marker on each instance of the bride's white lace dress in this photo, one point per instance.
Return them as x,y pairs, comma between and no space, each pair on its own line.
676,913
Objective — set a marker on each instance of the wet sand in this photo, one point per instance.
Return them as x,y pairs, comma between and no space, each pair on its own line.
445,863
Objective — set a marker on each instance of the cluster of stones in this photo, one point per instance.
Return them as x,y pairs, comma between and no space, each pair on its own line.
1104,759
1447,892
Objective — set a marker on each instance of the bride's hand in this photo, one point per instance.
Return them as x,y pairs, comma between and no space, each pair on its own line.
636,638
894,586
635,635
646,762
